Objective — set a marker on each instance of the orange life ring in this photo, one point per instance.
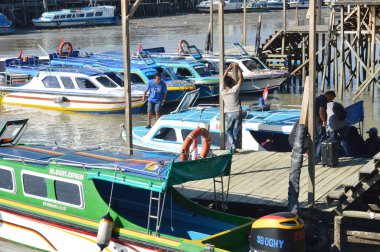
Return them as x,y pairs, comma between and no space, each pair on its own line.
206,143
180,45
67,46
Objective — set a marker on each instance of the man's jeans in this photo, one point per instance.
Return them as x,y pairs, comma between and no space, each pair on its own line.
320,136
233,127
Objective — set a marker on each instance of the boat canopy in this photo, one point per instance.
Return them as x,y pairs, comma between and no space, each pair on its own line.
145,170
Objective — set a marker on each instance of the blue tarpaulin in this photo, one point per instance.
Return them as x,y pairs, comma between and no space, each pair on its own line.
355,112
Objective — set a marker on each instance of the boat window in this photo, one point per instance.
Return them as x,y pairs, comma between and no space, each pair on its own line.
6,180
252,65
67,192
165,75
67,83
99,14
90,14
167,134
116,78
68,16
150,75
203,71
106,82
51,82
56,17
136,79
183,72
63,16
85,83
80,15
34,185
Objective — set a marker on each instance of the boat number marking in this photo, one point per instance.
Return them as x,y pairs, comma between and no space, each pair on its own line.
269,242
52,205
67,174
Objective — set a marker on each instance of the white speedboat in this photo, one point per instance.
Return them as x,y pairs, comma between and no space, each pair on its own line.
300,4
275,4
69,89
87,16
229,6
256,6
5,25
170,131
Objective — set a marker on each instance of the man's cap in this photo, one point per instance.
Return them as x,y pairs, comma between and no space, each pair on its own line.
372,131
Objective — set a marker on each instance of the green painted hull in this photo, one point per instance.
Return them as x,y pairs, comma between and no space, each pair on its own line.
194,225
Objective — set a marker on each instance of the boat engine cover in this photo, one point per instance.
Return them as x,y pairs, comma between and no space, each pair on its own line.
282,231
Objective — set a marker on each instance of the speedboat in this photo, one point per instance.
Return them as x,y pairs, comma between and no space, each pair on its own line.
275,4
141,73
62,199
256,6
257,75
300,4
5,25
229,6
259,125
68,89
86,16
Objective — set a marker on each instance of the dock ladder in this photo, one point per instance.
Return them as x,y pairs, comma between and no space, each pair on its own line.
221,195
157,216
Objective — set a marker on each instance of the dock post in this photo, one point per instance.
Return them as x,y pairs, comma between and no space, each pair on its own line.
303,60
358,42
311,114
342,55
221,70
244,35
46,6
127,76
296,17
373,51
211,49
284,25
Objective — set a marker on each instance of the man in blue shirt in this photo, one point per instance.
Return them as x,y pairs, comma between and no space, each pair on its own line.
157,95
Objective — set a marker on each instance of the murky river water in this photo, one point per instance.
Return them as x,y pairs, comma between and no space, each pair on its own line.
84,130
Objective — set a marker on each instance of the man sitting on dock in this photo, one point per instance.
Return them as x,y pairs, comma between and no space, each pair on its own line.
232,106
321,120
373,142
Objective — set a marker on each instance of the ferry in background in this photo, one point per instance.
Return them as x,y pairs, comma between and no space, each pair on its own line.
256,6
87,16
5,25
229,6
275,4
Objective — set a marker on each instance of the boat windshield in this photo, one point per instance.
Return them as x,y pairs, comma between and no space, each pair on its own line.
47,16
119,79
106,82
150,75
202,70
253,64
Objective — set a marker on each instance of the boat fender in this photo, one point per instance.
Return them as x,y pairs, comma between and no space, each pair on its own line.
65,49
60,99
206,143
104,231
180,46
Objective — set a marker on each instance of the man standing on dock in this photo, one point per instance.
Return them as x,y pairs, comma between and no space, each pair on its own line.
321,120
157,96
232,106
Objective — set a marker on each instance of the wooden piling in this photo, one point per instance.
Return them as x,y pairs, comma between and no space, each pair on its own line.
211,49
342,56
221,71
284,26
373,51
358,43
244,34
311,114
127,76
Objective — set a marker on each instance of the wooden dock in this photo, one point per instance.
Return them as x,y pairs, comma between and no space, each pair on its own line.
261,178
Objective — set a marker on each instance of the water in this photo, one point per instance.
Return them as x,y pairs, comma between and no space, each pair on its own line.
84,130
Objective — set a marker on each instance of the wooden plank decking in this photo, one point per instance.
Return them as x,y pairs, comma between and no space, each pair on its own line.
262,178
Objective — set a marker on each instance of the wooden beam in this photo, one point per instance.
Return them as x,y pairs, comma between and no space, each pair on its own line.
244,34
127,75
305,102
311,117
221,71
284,25
211,49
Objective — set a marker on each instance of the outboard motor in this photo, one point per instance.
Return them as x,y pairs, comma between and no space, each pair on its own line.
277,232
